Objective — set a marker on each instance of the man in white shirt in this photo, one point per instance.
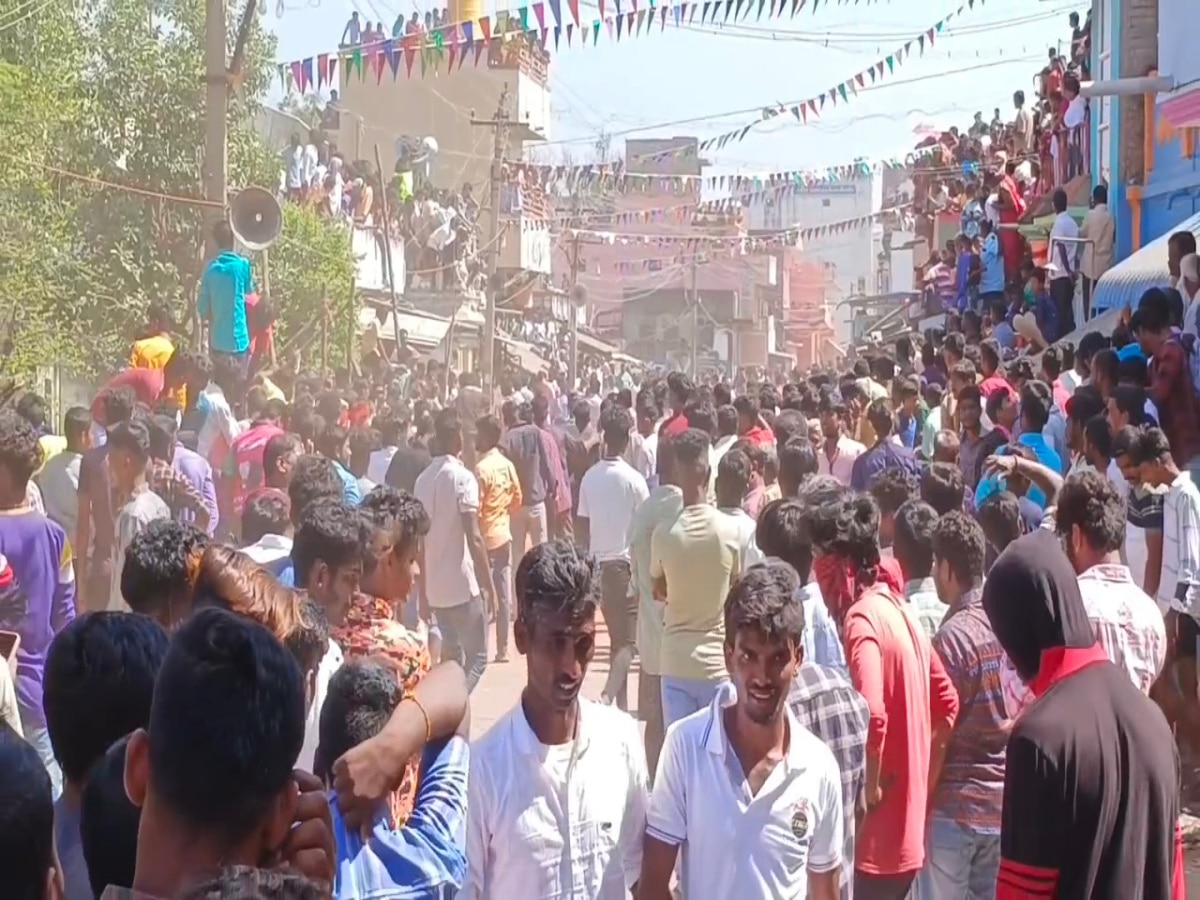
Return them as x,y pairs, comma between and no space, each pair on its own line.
455,579
837,453
1189,287
558,787
1090,517
293,158
751,798
1099,230
1062,262
609,494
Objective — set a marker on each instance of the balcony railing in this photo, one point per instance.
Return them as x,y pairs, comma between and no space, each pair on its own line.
1066,155
522,53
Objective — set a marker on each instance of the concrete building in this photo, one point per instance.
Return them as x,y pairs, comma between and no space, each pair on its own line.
1146,113
848,258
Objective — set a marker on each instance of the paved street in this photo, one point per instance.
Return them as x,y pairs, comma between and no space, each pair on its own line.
502,682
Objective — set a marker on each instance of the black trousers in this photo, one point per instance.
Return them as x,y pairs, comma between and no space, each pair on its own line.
1062,292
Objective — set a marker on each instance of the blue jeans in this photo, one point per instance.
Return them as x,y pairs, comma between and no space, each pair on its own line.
958,863
464,637
683,696
501,564
39,740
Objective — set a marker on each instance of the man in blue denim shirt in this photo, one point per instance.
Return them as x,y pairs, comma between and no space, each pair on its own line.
783,533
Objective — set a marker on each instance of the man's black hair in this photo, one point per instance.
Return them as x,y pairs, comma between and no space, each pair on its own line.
159,563
1036,403
397,512
1088,499
764,599
894,487
313,478
680,388
726,420
879,414
1099,434
331,531
797,461
615,425
912,544
332,440
1000,517
226,723
733,474
26,818
782,532
1085,403
942,487
1125,443
266,512
691,447
556,578
108,822
821,489
32,408
746,405
20,452
702,416
361,697
99,679
958,541
989,353
279,446
76,423
133,437
1131,401
447,426
489,429
789,423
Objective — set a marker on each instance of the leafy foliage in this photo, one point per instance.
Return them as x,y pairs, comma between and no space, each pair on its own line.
102,125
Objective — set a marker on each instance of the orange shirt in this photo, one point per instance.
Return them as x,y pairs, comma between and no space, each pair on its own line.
499,494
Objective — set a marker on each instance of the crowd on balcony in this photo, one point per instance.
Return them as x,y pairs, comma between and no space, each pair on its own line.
987,181
358,33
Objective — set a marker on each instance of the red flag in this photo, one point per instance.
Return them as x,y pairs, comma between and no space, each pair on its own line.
485,26
322,69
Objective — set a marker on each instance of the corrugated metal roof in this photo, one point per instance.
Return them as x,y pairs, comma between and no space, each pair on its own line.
1123,285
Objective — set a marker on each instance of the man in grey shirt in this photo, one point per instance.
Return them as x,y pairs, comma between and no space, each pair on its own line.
128,455
59,478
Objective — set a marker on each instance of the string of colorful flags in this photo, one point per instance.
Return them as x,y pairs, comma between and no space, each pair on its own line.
616,178
805,110
452,43
719,246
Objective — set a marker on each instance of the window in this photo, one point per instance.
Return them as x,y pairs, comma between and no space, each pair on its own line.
826,202
772,215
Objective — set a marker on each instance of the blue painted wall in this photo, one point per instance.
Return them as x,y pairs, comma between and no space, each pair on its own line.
1171,192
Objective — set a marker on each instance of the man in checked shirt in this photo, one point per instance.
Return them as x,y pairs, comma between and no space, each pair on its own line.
826,703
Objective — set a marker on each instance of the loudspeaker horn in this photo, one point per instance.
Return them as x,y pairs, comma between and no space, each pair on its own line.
256,218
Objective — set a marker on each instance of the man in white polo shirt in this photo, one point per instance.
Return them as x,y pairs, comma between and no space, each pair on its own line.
751,797
556,805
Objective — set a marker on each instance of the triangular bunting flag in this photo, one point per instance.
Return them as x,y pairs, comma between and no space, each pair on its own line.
332,73
833,96
485,28
859,79
601,5
921,42
691,8
879,68
737,9
570,31
761,4
609,27
932,31
728,9
356,62
804,114
704,10
282,77
842,91
479,47
322,69
812,105
523,12
306,70
453,48
410,54
662,18
629,19
677,11
389,53
822,99
796,4
468,33
620,25
557,35
641,18
891,64
539,13
596,33
297,76
424,58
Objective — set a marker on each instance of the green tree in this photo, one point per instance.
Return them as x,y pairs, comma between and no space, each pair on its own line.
102,124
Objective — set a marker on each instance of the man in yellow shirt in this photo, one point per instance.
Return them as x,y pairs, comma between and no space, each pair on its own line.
499,495
153,351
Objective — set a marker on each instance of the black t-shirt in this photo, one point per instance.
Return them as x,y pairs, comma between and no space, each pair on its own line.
408,463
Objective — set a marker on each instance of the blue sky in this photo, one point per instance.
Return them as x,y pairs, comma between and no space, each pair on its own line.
719,76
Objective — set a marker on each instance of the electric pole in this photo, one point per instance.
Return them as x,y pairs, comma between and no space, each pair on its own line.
695,322
499,124
578,298
216,92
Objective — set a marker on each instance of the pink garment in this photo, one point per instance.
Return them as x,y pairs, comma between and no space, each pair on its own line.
908,692
246,453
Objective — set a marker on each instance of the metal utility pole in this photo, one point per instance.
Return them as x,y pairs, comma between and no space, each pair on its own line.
695,322
216,93
499,124
387,255
578,298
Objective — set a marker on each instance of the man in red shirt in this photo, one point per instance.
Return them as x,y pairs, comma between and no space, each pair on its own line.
1171,386
750,425
680,390
912,701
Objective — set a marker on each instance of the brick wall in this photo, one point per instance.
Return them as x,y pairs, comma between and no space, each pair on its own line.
1139,55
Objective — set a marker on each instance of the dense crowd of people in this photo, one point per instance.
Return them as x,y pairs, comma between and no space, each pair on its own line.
898,631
